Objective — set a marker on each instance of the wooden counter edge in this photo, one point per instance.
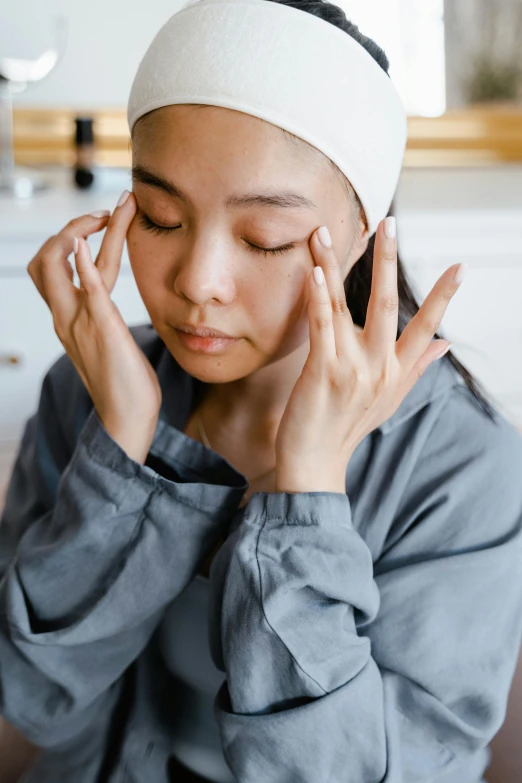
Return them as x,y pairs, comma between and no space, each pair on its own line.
471,137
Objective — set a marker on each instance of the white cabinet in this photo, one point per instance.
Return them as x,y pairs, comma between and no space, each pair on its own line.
484,319
27,334
474,215
28,343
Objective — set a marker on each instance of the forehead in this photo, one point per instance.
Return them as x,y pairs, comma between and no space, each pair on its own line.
218,129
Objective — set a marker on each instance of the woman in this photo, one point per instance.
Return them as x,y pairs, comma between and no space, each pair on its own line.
292,553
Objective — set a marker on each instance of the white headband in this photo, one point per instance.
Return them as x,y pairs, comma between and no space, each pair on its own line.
287,67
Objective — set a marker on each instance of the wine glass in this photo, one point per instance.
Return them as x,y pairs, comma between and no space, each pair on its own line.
16,72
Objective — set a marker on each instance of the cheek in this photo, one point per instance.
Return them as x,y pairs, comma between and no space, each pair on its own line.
145,262
278,303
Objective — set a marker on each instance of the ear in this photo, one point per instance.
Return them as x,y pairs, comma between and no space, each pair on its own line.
356,251
360,244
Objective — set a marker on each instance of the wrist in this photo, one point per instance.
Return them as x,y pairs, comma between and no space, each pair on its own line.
134,442
294,482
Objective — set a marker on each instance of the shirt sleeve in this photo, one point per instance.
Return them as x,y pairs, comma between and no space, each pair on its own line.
93,546
393,671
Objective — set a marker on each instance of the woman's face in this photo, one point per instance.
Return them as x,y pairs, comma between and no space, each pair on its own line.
207,270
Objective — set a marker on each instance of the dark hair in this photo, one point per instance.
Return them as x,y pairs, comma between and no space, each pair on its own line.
358,283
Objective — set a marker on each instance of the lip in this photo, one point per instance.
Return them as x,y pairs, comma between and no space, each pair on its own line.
208,345
203,331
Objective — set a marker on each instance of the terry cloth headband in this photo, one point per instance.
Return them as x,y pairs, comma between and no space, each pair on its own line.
287,67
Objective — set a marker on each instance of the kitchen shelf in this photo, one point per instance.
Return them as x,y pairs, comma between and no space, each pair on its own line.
471,137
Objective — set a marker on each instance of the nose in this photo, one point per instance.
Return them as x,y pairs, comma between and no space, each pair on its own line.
205,271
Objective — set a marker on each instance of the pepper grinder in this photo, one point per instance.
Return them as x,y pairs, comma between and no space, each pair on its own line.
84,146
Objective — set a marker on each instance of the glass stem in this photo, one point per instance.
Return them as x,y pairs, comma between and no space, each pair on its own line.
7,164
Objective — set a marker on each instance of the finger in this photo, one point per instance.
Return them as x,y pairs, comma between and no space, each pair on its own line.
99,301
436,350
35,273
320,320
82,226
56,249
108,260
345,336
419,332
34,269
382,315
54,278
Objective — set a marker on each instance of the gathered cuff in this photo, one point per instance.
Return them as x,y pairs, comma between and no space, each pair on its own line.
301,508
176,464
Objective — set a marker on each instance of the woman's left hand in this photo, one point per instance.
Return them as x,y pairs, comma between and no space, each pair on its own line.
352,380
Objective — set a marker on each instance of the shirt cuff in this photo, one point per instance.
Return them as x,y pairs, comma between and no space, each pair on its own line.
301,508
176,464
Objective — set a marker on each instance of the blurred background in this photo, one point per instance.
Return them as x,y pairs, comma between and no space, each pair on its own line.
65,73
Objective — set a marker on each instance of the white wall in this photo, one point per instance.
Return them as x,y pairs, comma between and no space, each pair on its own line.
107,39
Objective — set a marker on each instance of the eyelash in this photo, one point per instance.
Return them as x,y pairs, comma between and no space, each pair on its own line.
147,224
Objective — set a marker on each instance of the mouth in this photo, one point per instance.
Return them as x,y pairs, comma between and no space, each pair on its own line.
204,344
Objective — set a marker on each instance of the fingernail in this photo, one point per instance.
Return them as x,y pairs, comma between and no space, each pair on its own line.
390,227
100,213
123,198
324,237
318,275
444,351
460,273
75,244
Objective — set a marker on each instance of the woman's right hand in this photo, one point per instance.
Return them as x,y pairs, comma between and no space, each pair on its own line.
116,373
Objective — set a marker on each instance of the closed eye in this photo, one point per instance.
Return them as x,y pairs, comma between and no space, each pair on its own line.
148,224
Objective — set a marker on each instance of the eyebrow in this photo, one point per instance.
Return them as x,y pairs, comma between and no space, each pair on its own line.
285,200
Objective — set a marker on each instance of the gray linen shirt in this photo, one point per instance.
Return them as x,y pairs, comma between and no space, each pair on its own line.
366,637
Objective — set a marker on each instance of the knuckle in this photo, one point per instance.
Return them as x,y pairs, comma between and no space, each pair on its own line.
339,305
345,379
322,322
388,305
389,256
429,325
45,261
360,376
334,379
